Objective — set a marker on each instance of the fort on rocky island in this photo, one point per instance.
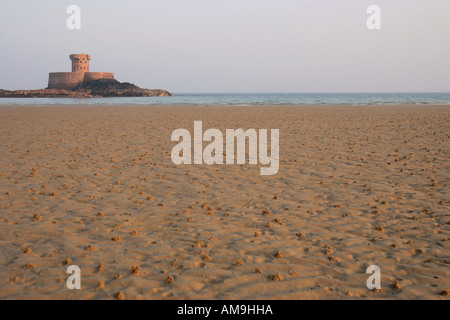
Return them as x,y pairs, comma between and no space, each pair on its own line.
80,74
82,83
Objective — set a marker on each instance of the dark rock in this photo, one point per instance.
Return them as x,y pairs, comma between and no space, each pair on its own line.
91,89
114,88
43,93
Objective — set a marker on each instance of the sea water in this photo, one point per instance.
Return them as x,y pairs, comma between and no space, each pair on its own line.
250,99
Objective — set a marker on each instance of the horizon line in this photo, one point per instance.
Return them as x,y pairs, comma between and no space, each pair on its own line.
312,92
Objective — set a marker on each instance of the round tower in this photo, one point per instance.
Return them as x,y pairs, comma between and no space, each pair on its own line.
80,62
79,75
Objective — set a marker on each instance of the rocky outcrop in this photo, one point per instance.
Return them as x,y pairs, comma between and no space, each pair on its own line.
91,89
114,88
43,93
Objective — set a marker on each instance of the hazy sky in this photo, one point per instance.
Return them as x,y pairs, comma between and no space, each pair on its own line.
233,45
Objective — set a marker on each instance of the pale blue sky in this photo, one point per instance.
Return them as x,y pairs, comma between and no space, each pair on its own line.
233,45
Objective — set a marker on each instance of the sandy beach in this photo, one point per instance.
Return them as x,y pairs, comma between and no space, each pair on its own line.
96,187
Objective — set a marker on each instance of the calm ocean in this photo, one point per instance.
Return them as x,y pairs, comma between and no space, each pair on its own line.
250,99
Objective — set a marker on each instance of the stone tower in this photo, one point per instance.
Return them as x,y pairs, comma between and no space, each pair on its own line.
80,62
80,74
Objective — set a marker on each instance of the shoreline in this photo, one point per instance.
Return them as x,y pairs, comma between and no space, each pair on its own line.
407,105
